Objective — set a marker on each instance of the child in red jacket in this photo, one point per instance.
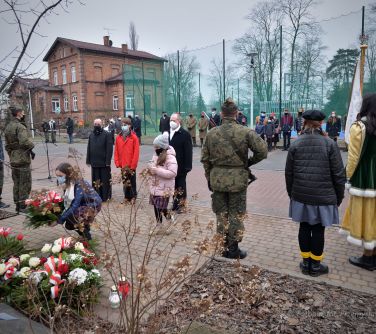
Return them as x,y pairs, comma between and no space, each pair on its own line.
127,152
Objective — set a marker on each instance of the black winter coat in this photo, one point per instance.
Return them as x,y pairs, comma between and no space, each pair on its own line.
314,170
137,127
164,124
99,149
182,144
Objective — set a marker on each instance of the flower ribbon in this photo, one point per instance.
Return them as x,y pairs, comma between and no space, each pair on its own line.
66,242
9,270
55,276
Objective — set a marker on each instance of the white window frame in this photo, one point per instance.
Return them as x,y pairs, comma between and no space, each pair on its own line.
73,73
75,102
54,75
66,103
55,103
115,102
129,101
64,74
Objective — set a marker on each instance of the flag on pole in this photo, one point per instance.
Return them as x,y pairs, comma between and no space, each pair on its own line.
355,102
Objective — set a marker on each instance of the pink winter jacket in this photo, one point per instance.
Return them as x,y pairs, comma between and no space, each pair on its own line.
163,182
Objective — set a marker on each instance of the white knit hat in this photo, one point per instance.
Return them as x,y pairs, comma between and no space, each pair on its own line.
162,141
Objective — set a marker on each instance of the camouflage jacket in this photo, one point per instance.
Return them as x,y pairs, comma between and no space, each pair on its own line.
17,143
223,167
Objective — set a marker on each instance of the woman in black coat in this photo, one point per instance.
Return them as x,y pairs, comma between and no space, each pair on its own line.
315,183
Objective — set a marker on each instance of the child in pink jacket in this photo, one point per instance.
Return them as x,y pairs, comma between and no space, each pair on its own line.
163,169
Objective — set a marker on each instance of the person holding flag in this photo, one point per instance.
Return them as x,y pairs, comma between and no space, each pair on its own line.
359,222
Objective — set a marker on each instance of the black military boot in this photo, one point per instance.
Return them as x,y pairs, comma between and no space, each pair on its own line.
318,268
365,262
234,252
305,266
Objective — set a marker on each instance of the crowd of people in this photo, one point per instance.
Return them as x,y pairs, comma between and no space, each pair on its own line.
315,174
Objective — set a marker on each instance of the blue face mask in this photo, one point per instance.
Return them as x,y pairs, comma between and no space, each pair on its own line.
61,179
125,128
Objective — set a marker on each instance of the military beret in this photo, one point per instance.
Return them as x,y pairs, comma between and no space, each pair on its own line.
313,115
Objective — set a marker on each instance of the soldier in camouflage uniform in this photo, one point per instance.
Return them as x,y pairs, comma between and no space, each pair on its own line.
227,176
191,126
19,148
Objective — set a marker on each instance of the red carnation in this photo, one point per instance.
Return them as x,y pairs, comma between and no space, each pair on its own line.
94,261
63,268
86,260
20,236
85,243
43,260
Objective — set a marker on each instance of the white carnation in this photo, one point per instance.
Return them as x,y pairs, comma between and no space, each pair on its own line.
79,246
46,248
78,275
56,249
36,277
34,262
24,257
96,272
25,272
2,268
74,257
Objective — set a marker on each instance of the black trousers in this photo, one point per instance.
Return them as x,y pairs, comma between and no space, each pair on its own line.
158,214
312,238
286,139
129,185
101,180
180,192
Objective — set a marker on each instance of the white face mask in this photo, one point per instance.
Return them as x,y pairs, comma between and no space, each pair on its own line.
173,125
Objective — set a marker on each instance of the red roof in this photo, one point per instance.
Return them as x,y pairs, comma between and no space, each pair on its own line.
99,48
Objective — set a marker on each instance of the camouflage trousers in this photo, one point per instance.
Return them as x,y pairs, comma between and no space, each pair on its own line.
21,184
230,209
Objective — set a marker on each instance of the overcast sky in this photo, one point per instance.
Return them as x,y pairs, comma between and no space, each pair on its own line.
168,25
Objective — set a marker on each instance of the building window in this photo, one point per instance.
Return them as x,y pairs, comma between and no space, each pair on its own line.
66,103
73,72
129,102
55,77
75,103
64,74
56,105
115,102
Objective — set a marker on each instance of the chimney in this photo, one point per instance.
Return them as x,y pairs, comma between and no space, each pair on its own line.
106,40
124,48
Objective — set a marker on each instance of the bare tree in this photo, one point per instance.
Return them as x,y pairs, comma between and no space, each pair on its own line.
20,13
188,68
216,79
263,39
309,59
133,37
299,16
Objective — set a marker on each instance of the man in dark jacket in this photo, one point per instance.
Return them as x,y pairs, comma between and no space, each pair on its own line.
164,123
45,128
52,129
180,140
299,122
19,148
286,126
214,119
99,154
137,127
70,127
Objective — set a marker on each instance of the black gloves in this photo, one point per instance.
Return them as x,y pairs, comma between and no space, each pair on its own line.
32,154
209,186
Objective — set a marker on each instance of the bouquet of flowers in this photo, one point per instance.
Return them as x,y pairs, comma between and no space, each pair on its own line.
10,244
63,273
43,208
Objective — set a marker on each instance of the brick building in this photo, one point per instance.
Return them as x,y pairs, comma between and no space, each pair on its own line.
89,80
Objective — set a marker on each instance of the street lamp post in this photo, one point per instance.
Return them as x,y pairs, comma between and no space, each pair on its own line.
252,54
31,112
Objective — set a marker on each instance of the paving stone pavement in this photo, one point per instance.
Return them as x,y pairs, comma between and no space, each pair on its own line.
270,238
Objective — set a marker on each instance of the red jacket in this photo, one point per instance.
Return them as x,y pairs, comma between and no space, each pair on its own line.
127,151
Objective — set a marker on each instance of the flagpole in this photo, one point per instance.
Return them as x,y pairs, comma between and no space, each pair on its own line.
363,49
